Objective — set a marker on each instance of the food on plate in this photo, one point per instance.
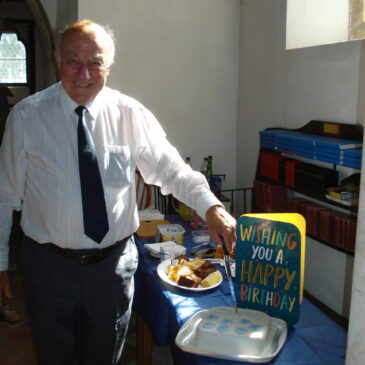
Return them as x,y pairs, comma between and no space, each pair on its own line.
183,275
222,330
193,264
190,281
205,269
182,257
191,273
219,254
212,279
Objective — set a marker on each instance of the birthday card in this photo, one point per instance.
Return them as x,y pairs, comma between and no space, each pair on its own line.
270,255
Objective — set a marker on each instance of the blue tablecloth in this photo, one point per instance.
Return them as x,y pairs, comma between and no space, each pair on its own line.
315,339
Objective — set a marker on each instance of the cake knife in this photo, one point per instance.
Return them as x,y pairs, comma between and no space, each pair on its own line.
227,262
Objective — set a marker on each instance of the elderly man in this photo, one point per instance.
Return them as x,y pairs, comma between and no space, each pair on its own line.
67,161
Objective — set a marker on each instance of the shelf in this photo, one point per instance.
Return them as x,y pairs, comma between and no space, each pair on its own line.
281,170
351,208
318,197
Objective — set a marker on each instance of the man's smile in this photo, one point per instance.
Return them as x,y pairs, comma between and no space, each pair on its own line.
82,84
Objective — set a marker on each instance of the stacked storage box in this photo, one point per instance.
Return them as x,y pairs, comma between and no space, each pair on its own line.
322,148
268,140
352,157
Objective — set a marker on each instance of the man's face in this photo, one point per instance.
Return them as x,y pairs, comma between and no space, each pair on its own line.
84,66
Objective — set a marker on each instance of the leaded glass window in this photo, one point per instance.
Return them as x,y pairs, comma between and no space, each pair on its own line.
13,60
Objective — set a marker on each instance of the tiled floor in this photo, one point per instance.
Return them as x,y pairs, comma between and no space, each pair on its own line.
16,345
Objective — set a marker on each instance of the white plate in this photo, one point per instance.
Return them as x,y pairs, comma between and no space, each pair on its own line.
186,340
162,273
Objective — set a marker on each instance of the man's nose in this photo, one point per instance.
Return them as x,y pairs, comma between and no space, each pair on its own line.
83,71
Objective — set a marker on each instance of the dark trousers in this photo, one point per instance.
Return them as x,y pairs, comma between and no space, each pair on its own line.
79,313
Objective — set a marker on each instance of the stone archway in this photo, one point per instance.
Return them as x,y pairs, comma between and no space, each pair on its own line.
46,37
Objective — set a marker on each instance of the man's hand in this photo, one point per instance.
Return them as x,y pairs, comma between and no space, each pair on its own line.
4,287
221,226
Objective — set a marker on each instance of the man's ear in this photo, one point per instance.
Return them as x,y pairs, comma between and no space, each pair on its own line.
109,69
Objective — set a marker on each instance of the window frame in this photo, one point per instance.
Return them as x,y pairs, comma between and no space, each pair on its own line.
29,52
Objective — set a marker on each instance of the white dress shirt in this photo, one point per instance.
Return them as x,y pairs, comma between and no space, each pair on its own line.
39,171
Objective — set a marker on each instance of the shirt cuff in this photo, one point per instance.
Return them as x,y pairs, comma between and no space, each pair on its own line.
206,201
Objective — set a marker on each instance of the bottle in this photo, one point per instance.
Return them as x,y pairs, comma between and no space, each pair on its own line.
203,168
183,209
209,172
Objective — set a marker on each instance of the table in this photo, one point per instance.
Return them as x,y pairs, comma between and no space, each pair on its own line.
162,310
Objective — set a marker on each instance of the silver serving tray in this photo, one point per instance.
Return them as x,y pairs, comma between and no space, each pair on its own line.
186,341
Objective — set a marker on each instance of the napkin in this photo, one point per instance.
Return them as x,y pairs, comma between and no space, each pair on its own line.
150,215
155,248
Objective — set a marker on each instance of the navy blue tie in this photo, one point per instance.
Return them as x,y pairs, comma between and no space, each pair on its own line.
93,202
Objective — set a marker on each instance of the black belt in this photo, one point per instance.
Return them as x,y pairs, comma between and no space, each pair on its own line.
82,258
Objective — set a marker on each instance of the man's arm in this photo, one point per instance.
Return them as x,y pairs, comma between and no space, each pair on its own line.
12,184
160,164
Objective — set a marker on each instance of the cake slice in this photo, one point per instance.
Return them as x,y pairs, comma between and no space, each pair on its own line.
205,269
190,281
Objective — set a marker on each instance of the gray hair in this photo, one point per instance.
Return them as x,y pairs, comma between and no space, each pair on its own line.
103,32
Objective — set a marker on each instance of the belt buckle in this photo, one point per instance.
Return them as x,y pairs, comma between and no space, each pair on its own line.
90,259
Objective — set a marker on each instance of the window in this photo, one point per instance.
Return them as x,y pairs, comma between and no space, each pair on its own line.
13,60
316,22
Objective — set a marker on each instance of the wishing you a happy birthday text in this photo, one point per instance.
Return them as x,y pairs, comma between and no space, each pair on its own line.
265,277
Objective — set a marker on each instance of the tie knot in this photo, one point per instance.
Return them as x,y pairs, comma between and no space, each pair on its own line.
81,111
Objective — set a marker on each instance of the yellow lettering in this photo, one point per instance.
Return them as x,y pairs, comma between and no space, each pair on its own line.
247,273
269,270
273,237
258,273
292,302
246,233
280,272
290,278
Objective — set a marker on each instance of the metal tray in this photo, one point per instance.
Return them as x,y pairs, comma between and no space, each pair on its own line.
186,340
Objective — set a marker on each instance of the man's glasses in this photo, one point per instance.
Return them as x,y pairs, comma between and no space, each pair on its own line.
92,66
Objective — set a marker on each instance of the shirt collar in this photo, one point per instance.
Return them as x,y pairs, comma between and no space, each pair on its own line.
69,106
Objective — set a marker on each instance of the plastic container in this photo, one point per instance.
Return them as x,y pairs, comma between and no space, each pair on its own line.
170,232
200,236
